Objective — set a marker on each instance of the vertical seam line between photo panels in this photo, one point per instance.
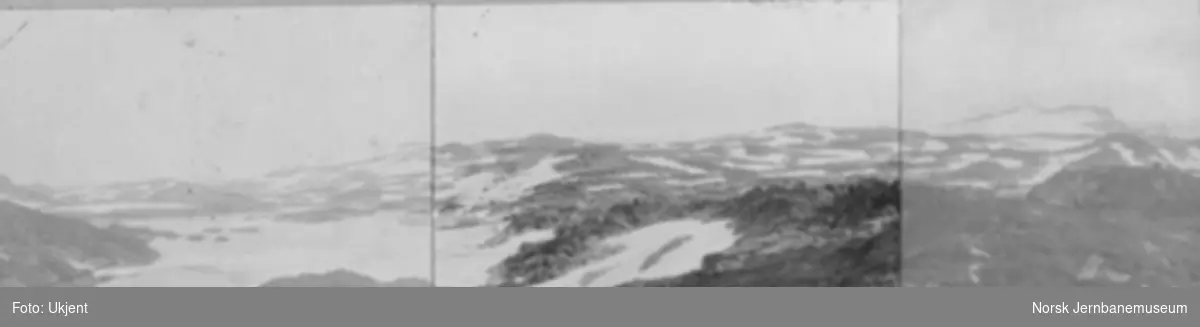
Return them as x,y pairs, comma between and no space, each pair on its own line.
900,127
433,144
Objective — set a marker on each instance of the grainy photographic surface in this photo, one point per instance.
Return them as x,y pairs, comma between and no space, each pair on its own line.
670,144
1051,143
215,147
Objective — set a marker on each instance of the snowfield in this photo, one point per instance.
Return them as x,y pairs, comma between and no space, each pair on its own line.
383,246
464,258
658,251
117,206
647,253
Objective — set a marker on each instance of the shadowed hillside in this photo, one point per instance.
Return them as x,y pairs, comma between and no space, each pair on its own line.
1104,225
788,235
37,249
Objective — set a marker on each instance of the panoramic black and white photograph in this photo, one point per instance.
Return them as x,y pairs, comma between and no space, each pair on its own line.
1051,143
215,147
667,144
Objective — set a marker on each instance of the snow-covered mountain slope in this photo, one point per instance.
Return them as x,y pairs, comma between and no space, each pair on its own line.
1014,150
552,211
503,170
732,210
1015,163
551,186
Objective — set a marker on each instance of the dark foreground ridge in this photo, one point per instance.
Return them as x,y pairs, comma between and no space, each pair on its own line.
37,249
1093,226
791,234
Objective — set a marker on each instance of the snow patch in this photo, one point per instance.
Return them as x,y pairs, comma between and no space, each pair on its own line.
1044,143
827,135
969,183
1055,163
668,163
633,262
605,187
797,173
829,156
119,206
522,183
783,140
749,166
695,182
740,152
1126,154
1009,163
636,175
462,260
966,160
21,202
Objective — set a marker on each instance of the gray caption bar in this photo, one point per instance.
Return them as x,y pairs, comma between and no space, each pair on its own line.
107,4
291,307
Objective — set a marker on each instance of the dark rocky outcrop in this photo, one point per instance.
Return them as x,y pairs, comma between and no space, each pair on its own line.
37,249
856,225
1094,226
1152,191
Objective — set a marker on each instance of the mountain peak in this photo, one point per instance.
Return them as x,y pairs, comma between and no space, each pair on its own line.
1068,119
542,141
546,139
791,127
1094,110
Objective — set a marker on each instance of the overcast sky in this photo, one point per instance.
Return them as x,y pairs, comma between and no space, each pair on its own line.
662,71
1141,58
100,96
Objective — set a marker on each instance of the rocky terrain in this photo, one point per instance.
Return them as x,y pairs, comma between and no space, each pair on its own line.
790,205
37,249
554,211
1114,206
1102,225
1028,196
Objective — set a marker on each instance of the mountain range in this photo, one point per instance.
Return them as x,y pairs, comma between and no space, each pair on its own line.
974,197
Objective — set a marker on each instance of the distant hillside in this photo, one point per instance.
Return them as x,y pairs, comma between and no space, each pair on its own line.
30,196
341,278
